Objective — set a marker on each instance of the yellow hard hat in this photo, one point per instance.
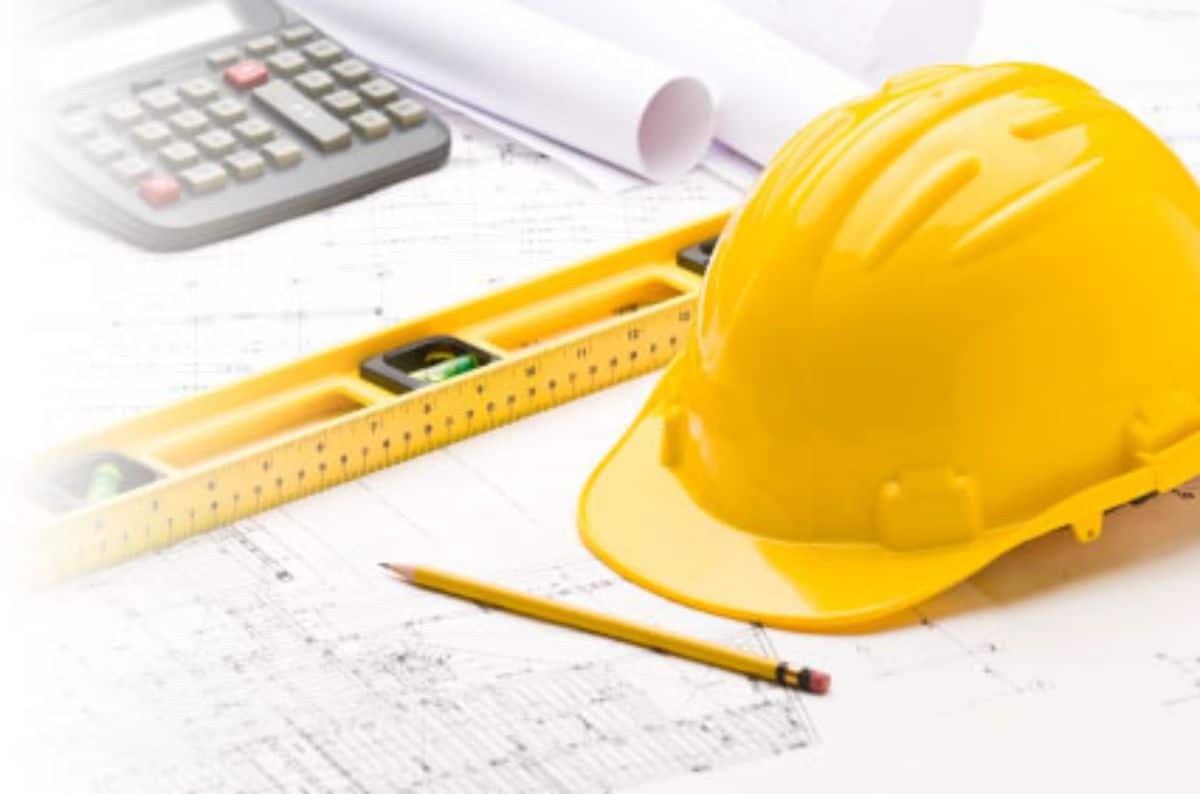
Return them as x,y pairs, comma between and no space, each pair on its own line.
951,317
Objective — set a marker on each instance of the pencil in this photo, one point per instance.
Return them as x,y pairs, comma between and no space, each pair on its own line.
788,675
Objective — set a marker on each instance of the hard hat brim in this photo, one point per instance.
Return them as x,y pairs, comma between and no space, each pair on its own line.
638,518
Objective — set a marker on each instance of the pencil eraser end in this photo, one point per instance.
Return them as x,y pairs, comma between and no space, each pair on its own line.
819,682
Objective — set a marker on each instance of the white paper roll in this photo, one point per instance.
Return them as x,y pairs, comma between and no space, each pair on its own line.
538,73
766,87
872,39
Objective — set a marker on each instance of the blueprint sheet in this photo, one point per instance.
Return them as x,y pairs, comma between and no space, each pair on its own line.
274,656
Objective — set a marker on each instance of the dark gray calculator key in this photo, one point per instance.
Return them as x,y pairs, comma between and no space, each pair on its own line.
151,134
77,127
315,83
104,149
245,165
343,103
219,59
263,45
160,100
351,71
204,178
254,131
124,113
198,91
379,91
287,63
297,34
180,154
130,169
320,127
323,52
227,110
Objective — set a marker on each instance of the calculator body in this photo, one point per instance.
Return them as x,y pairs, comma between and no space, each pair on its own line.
267,121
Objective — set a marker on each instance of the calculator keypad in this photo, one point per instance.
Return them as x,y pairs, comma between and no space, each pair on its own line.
201,136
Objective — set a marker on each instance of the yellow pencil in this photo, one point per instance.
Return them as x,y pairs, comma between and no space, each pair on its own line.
788,675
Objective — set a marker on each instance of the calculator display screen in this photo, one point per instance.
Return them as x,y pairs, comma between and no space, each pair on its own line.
129,31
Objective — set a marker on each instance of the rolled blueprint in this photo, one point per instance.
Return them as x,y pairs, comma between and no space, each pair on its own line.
538,73
872,39
766,87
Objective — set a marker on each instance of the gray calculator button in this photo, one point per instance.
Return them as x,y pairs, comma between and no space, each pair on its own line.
227,110
351,71
263,45
371,124
406,112
104,149
151,134
219,59
180,154
124,113
160,100
216,143
343,103
315,83
323,51
245,165
189,122
198,91
297,34
287,63
323,129
204,178
254,131
77,127
379,91
130,169
283,153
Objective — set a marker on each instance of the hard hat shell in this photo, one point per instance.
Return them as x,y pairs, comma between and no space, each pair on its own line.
951,317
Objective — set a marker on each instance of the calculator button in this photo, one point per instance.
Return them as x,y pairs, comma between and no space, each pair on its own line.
104,149
77,127
198,91
406,112
227,111
245,165
283,153
189,122
371,124
204,178
124,113
315,83
180,154
160,100
219,59
351,71
247,74
216,143
297,34
151,134
263,45
130,169
287,63
343,103
254,131
323,51
159,190
326,131
379,91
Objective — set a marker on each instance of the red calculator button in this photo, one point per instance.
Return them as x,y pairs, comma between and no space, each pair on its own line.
246,74
159,190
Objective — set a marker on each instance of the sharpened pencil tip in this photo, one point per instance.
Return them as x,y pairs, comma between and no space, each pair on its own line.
403,571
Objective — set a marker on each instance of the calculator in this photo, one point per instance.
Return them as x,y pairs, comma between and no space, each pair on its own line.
215,117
